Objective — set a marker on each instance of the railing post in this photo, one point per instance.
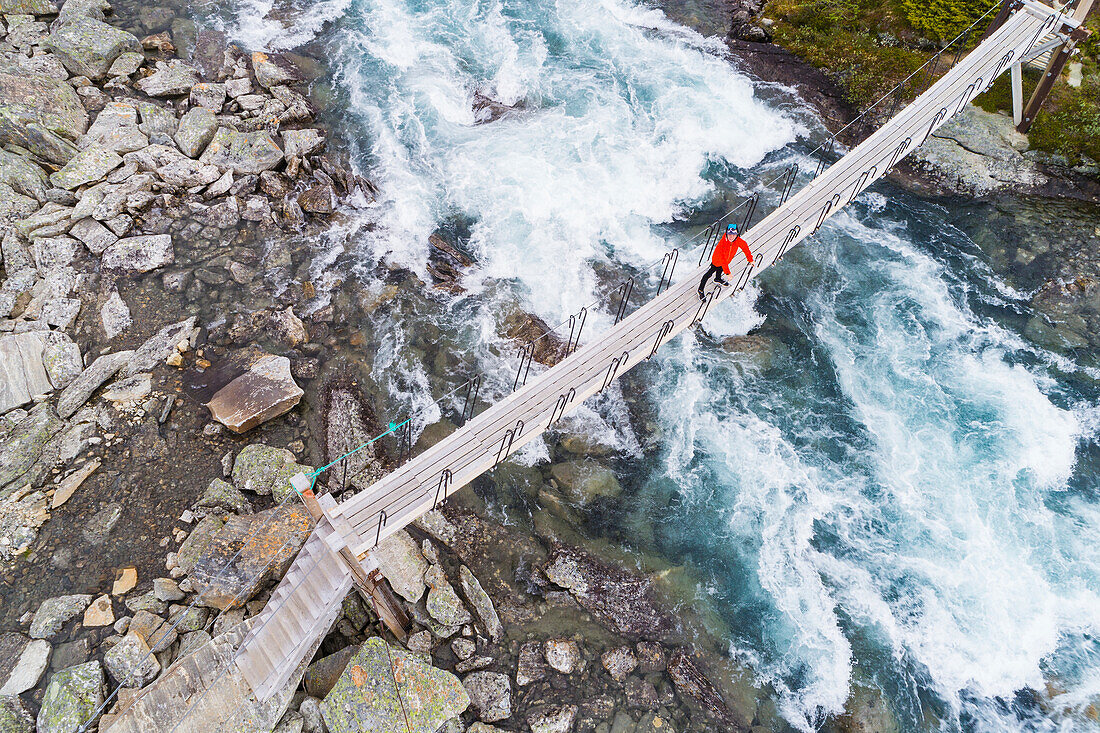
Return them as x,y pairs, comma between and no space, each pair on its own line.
473,386
668,266
624,291
526,354
576,323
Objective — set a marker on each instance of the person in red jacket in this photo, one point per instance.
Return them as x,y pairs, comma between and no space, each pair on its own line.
723,255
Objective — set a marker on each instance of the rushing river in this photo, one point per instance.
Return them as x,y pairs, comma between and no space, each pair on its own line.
896,488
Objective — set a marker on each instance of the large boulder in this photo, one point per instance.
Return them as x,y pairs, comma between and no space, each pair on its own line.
195,131
586,481
365,697
55,104
139,254
401,562
243,152
89,166
619,598
265,391
172,79
246,552
88,47
72,698
26,7
23,176
54,613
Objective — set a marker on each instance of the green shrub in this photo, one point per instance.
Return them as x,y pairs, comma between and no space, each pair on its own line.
942,20
1072,127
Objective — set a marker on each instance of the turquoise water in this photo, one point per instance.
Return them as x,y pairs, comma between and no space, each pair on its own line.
901,489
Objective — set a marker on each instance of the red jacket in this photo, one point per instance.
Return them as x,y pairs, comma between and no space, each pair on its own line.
724,252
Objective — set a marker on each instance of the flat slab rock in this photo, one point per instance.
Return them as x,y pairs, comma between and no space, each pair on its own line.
265,391
22,374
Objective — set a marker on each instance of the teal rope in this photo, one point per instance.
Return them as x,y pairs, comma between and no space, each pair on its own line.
393,428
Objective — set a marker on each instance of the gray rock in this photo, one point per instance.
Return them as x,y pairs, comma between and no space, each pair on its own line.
26,7
139,254
91,379
26,444
14,716
300,143
153,352
310,710
29,667
96,237
172,79
116,129
619,662
187,173
98,528
54,613
208,95
126,64
114,315
243,152
131,663
61,358
238,87
13,204
319,199
490,695
49,221
272,72
22,373
552,719
264,392
443,603
129,389
483,605
530,667
563,655
366,699
196,130
402,564
42,115
89,166
157,121
71,699
88,47
61,312
74,9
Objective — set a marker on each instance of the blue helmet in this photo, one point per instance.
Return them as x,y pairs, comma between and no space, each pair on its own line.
731,228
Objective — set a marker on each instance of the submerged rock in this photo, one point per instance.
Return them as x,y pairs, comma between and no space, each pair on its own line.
481,602
139,254
619,598
444,604
26,443
490,695
91,379
265,391
366,698
694,688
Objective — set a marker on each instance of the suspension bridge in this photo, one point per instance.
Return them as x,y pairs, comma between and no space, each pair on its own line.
274,646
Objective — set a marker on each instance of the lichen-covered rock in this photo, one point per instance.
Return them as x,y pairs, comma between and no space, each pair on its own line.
272,72
693,686
54,104
240,558
402,564
300,143
28,667
444,605
264,470
490,695
54,613
26,7
221,495
88,47
22,373
198,543
14,716
208,95
71,699
61,359
131,663
365,698
126,64
243,152
139,254
23,176
483,605
171,79
552,719
196,130
25,444
264,392
319,199
89,166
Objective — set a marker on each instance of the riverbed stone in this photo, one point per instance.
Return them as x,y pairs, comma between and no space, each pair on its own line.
26,7
195,131
126,64
195,547
242,152
51,104
114,315
490,695
208,95
96,237
54,613
14,716
273,71
482,603
91,379
444,605
23,176
131,663
156,349
25,128
402,564
300,143
239,559
530,666
563,655
619,662
171,79
693,686
586,481
89,166
71,699
266,470
30,665
266,391
139,254
366,699
222,495
88,47
552,719
61,359
100,613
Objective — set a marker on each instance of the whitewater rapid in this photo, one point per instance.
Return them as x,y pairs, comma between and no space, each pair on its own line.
892,497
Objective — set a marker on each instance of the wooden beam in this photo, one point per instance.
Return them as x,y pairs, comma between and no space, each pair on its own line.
1054,68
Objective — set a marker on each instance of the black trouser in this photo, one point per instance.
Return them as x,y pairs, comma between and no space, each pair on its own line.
714,270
